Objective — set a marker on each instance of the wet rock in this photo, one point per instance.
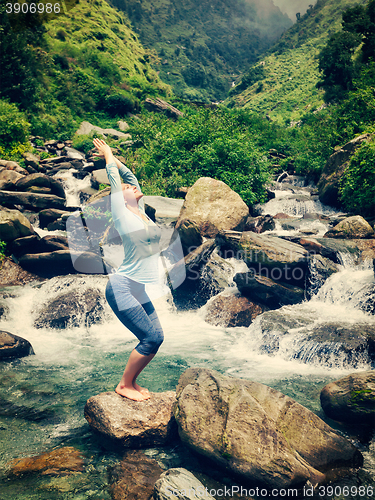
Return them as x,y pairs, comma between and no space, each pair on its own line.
35,181
260,224
207,274
34,201
12,346
334,169
132,424
134,477
50,215
210,206
271,293
12,274
273,257
180,483
255,432
333,344
352,227
321,269
351,399
75,308
230,311
54,242
61,461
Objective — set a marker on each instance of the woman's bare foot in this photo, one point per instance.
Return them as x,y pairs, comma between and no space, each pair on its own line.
140,389
130,393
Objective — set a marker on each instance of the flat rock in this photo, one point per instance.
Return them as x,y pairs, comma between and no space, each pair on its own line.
165,207
270,256
12,346
34,201
132,424
256,433
351,399
271,293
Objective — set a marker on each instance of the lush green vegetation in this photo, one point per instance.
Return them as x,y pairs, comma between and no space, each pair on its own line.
87,63
202,45
213,143
358,184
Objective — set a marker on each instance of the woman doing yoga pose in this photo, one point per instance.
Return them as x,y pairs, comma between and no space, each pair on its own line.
125,290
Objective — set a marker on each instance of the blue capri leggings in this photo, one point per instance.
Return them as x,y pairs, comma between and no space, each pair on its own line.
131,304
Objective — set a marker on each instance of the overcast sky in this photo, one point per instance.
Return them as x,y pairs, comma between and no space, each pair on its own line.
290,7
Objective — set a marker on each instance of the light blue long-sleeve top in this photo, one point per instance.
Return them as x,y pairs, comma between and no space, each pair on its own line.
140,239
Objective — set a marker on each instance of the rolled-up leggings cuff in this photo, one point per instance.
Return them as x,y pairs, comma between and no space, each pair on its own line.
131,304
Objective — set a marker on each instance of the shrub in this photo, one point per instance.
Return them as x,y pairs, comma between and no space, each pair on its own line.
357,189
120,103
14,127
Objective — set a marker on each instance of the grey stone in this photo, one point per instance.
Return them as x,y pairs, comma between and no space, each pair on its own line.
257,433
183,485
132,424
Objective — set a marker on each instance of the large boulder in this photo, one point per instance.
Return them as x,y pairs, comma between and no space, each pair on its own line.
257,433
351,399
273,257
210,206
13,225
132,424
267,291
231,310
50,215
12,346
134,477
75,308
329,182
33,201
352,228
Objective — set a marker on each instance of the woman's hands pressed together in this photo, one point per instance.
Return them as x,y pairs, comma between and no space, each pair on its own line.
103,150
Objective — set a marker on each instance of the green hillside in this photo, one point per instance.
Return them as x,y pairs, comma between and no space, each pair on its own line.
283,84
203,46
87,62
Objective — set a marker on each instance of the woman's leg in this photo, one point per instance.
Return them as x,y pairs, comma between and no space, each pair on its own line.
132,306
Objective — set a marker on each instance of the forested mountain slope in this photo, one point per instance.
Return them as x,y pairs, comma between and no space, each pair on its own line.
204,45
283,84
87,61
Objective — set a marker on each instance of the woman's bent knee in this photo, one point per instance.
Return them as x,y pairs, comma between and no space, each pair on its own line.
150,345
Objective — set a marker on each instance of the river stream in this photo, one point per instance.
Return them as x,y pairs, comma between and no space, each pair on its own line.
42,396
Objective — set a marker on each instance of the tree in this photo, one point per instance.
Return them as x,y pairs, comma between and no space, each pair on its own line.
336,64
361,20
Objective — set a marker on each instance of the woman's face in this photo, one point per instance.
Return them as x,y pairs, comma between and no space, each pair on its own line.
131,193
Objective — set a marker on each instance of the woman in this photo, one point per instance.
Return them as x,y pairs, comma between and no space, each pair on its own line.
125,290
